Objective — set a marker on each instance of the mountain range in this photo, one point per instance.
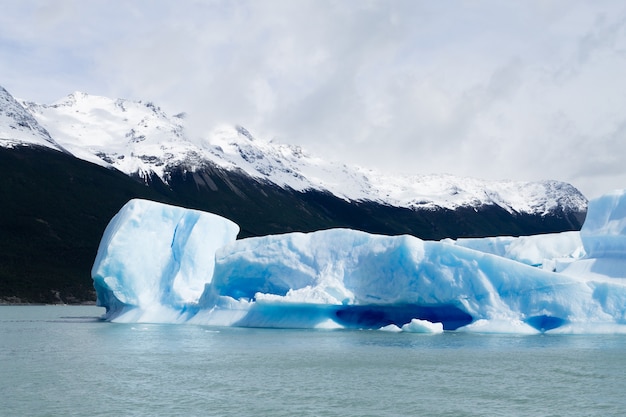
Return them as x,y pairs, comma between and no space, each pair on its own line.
69,166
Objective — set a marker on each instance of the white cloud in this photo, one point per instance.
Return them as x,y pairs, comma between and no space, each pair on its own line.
527,90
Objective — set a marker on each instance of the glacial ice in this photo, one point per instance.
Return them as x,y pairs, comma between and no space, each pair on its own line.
539,250
155,259
158,263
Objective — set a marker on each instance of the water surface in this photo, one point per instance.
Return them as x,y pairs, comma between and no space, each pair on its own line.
64,361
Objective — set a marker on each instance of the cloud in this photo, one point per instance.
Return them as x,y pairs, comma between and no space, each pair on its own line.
529,90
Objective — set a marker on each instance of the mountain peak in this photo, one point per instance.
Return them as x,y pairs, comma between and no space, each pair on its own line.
18,126
244,132
77,98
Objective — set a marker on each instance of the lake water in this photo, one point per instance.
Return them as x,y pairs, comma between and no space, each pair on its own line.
63,361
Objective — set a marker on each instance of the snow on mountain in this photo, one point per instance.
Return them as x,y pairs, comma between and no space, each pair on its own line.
18,126
290,166
139,138
133,137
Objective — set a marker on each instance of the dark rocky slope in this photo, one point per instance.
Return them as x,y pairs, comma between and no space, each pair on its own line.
55,207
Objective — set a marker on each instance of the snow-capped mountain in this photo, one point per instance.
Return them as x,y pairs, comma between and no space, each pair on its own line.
138,138
18,126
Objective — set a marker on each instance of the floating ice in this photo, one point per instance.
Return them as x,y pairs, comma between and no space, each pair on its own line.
165,264
604,233
155,259
546,251
604,239
422,326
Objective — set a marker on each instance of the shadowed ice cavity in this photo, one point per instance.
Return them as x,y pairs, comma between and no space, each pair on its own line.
544,323
375,317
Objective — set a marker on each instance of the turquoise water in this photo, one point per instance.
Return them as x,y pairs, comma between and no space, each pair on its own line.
63,361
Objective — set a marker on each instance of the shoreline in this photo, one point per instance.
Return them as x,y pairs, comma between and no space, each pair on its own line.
4,302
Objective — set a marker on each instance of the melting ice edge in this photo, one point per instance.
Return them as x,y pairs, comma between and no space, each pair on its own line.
164,264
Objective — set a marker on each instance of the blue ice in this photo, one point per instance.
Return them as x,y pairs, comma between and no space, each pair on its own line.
158,263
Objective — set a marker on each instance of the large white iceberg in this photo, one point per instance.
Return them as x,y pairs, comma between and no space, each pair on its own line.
155,259
162,264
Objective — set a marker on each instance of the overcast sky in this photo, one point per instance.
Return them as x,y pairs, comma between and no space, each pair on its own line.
523,90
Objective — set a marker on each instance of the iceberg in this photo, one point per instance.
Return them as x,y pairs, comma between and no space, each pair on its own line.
540,250
604,233
158,263
155,259
603,237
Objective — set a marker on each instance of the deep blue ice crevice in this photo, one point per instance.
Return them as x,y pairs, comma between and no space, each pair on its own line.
172,271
